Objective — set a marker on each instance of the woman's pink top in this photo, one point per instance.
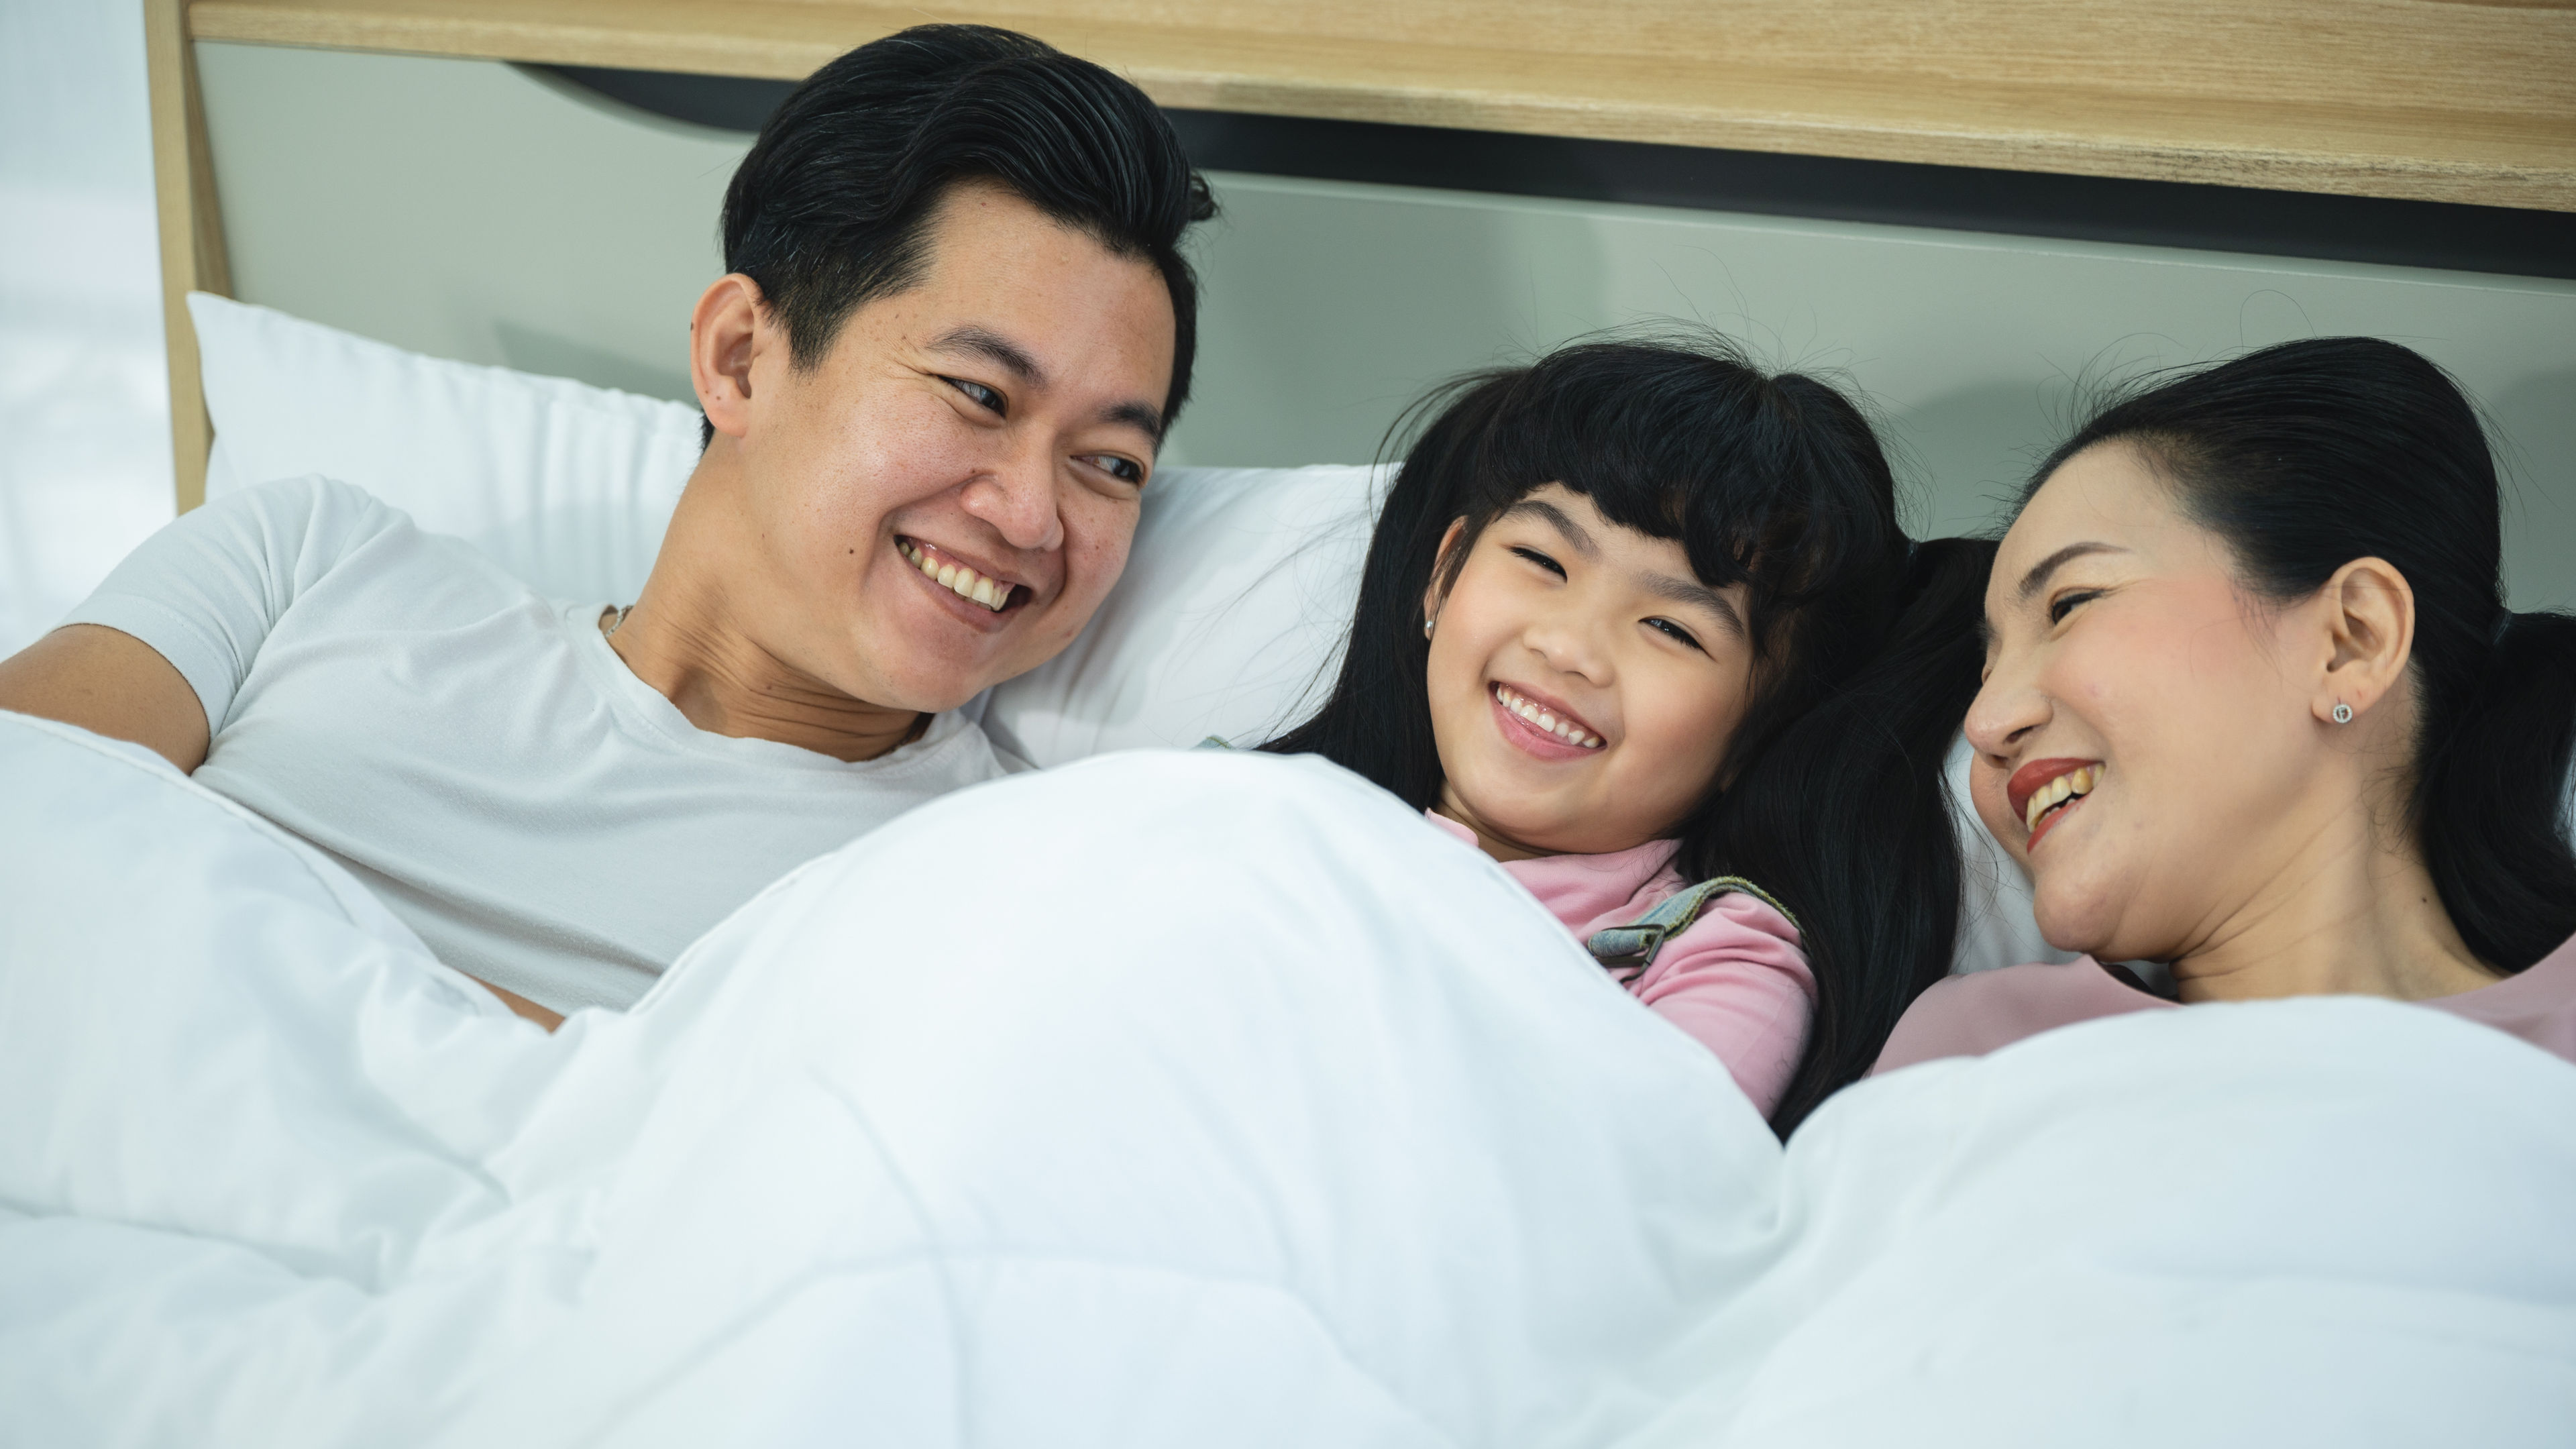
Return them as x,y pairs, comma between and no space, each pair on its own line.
1969,1016
1735,980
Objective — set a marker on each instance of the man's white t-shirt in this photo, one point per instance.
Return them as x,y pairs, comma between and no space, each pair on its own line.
478,754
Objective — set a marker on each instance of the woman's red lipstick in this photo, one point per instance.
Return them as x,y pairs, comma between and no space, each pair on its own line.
2034,777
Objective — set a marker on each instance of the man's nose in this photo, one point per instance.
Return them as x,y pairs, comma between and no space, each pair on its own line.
1018,498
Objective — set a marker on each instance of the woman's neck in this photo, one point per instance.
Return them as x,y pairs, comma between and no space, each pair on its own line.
2348,916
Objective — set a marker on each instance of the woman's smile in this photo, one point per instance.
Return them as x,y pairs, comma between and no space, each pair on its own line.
2044,791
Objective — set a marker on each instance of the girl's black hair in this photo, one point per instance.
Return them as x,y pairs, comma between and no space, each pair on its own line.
2306,456
1865,648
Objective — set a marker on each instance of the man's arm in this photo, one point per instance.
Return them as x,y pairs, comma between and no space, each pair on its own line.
111,683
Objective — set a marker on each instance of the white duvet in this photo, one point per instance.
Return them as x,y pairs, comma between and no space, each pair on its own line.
1182,1099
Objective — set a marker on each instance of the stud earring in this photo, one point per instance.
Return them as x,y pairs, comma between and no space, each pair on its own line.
1426,628
2342,712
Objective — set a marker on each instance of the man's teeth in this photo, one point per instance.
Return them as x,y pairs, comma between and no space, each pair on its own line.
2064,787
1571,734
959,579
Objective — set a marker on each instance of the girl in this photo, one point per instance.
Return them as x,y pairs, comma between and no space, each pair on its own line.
1639,622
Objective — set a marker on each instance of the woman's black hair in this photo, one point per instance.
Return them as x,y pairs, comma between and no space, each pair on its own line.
1865,648
2306,456
831,207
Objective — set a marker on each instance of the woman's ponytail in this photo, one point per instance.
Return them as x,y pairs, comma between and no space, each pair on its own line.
2491,797
1846,817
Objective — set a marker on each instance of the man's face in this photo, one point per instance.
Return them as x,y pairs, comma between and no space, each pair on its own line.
942,501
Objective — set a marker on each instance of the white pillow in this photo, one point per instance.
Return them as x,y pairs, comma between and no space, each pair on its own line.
567,486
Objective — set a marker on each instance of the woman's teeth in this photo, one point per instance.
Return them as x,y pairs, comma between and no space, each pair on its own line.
1544,720
958,579
2069,786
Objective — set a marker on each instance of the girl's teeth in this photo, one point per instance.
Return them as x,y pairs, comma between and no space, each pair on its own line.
1562,729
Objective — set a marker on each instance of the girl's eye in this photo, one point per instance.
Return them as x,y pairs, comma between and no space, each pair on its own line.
2064,604
1125,470
1542,560
984,397
1675,630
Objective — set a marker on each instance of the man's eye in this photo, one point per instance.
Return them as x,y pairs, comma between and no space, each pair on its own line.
984,397
1125,470
2064,604
1542,560
1677,631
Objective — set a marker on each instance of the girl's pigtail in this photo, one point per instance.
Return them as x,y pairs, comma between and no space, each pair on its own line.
1846,817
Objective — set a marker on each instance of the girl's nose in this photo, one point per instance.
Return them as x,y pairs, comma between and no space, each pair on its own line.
1570,644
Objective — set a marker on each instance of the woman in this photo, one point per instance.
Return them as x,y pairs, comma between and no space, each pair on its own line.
2253,707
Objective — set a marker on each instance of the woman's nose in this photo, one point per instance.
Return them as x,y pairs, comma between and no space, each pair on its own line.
2009,706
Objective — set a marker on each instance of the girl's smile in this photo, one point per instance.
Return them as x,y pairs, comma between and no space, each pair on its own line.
1543,726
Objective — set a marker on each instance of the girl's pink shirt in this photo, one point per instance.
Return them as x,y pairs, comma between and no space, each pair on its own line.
1969,1016
1736,981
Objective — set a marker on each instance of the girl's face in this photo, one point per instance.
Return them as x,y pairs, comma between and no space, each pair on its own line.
1583,683
2147,737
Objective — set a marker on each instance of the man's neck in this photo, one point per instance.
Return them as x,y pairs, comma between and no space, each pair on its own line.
2347,916
726,684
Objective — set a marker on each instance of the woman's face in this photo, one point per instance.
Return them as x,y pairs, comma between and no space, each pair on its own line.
1583,683
2145,736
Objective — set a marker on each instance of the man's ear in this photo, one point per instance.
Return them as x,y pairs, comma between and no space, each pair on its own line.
1437,591
725,331
2368,611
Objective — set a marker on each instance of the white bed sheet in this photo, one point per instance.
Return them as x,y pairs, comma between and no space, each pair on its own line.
1178,1098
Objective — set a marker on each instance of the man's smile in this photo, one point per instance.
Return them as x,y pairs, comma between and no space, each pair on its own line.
996,595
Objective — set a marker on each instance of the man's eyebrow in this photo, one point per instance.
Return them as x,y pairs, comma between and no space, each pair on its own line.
994,348
1554,517
2031,582
1014,359
1143,417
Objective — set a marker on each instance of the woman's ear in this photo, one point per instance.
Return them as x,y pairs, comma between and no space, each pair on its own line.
2368,612
725,332
1437,591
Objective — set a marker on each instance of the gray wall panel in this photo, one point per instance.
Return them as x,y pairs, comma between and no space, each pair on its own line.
470,210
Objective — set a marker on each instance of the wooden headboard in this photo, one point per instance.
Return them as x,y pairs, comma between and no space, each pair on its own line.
2434,100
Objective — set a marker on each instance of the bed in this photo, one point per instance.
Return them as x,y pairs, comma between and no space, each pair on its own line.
1341,1141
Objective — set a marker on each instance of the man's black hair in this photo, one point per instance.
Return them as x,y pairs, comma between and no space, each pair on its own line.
831,208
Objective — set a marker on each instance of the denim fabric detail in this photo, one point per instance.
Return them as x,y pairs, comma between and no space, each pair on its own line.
1628,950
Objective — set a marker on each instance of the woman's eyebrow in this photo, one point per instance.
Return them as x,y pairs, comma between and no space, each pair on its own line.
2032,582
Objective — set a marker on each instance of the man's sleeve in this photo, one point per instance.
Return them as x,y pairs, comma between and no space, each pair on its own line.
205,591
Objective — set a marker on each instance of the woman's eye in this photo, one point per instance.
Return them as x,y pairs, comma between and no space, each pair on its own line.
984,397
1675,630
1125,470
1542,560
2064,604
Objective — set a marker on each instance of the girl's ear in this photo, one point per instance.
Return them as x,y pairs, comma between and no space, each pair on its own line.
1437,591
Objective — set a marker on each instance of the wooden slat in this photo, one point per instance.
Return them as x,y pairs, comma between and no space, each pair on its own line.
2444,100
192,232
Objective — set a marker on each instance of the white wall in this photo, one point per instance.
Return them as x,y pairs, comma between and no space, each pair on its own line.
84,400
473,211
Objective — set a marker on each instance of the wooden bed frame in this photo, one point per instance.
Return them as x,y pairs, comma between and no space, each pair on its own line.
2468,101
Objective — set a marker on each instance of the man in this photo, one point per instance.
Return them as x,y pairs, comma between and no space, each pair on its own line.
954,327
